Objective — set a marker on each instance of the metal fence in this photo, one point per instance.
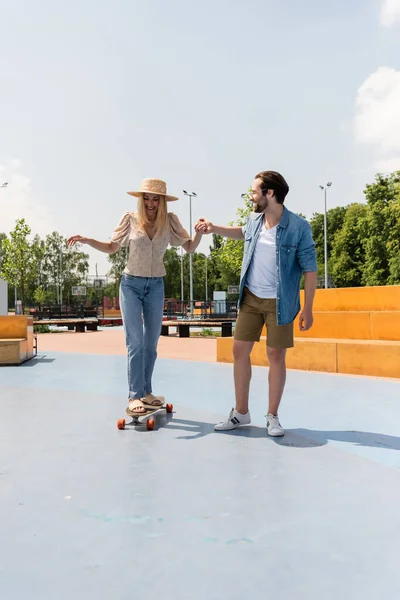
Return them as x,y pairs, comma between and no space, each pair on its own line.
212,310
69,311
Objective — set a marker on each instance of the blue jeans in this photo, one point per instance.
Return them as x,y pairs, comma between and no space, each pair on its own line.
142,303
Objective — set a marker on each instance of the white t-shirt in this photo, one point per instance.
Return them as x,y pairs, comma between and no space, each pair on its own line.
261,278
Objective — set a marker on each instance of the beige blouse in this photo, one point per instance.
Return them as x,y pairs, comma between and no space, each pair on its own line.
146,255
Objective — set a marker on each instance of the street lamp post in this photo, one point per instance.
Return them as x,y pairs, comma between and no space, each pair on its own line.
191,195
182,281
324,188
61,278
206,279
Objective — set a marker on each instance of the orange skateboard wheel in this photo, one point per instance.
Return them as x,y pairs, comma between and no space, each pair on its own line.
150,424
169,408
121,423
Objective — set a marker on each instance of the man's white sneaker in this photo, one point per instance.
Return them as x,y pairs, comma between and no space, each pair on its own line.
235,419
274,428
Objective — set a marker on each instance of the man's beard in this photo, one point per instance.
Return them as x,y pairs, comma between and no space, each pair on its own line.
259,208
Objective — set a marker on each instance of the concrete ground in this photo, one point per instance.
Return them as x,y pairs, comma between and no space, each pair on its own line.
111,340
183,512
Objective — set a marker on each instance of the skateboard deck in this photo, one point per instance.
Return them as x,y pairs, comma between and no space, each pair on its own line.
146,418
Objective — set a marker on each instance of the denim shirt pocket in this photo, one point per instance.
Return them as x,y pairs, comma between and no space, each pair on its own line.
287,254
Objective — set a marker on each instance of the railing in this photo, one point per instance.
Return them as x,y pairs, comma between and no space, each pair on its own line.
66,312
211,310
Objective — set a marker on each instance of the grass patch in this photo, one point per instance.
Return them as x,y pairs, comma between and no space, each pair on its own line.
41,329
205,332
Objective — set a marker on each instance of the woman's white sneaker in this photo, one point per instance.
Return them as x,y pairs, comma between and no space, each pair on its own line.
235,419
274,428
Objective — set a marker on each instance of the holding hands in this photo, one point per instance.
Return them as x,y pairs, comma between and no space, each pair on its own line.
203,226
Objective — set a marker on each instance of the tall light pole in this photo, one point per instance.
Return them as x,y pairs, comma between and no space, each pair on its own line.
182,281
324,187
191,195
206,279
61,277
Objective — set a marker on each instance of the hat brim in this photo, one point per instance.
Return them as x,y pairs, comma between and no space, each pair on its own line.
139,193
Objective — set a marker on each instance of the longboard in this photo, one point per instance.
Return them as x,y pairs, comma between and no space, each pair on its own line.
145,418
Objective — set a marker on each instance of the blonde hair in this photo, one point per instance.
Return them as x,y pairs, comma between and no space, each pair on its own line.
162,222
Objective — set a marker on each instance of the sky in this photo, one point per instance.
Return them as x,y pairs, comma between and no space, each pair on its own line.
97,95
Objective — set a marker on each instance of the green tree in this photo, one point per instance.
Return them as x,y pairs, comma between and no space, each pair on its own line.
38,250
393,242
60,267
213,266
3,236
381,242
228,255
111,290
348,252
19,260
199,276
39,296
75,269
51,266
198,260
172,280
118,262
334,219
217,243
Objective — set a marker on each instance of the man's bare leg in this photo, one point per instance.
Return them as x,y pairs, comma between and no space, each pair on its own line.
242,374
276,377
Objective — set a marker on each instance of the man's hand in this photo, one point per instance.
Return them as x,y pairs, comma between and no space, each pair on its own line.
204,226
306,320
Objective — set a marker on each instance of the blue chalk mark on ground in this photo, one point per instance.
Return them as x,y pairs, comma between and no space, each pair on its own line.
134,520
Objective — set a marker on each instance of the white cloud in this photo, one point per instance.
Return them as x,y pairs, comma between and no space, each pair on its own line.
377,116
17,201
390,13
388,165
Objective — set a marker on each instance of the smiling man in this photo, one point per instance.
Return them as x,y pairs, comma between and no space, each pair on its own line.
278,249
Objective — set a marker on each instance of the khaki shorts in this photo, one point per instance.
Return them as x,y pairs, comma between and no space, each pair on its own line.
254,312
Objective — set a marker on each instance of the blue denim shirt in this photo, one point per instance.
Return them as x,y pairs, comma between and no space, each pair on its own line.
295,255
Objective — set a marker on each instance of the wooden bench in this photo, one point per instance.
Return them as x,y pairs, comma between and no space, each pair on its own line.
110,321
184,327
78,324
17,340
56,313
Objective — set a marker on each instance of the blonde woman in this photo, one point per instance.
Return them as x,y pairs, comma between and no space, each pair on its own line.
147,232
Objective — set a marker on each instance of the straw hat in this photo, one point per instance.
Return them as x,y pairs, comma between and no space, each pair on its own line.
154,186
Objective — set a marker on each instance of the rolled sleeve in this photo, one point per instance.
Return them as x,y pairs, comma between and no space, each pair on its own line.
306,253
244,227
